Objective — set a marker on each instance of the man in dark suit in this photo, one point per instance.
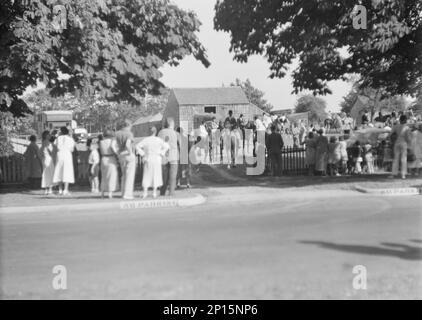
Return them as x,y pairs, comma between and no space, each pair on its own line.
275,145
232,120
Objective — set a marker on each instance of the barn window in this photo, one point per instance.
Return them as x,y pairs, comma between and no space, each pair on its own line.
210,110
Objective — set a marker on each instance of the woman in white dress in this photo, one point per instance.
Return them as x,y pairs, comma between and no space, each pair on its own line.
152,149
109,164
47,156
63,172
127,160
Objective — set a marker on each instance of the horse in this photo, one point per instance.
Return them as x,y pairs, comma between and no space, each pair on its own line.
333,124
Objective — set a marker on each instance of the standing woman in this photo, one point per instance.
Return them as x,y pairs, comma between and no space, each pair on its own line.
33,163
127,159
152,149
109,164
321,153
401,133
63,172
310,144
47,156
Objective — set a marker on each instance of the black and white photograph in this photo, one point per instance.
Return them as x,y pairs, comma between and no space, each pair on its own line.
203,151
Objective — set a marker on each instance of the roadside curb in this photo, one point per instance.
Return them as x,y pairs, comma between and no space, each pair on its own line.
195,199
410,191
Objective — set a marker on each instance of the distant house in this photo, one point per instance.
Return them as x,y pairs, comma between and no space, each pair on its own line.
189,106
142,126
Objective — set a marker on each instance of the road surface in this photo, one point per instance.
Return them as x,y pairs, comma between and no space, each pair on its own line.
289,247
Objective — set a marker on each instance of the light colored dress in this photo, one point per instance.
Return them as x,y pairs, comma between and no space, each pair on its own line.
343,151
127,162
109,165
64,171
47,154
334,153
94,163
226,136
152,149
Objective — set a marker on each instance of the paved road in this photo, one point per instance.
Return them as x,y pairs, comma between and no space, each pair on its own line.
290,247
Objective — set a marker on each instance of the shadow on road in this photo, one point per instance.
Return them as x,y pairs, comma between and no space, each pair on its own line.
396,250
416,240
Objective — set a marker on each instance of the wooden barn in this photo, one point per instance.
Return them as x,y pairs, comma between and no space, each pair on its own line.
191,105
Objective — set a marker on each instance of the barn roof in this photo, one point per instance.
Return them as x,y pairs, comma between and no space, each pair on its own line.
148,119
210,96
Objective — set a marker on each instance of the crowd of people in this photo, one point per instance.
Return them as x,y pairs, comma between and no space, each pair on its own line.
112,162
113,156
397,148
337,153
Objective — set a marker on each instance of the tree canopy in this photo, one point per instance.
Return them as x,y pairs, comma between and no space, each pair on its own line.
12,126
96,113
316,107
113,48
388,54
377,100
254,95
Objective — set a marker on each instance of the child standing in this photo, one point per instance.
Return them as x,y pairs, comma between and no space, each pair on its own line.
357,157
94,166
334,156
344,155
369,159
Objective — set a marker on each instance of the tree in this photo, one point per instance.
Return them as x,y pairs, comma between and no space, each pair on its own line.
18,108
11,126
314,105
349,101
113,48
387,55
254,95
377,100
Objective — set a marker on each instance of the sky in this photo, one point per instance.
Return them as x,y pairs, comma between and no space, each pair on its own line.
224,70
